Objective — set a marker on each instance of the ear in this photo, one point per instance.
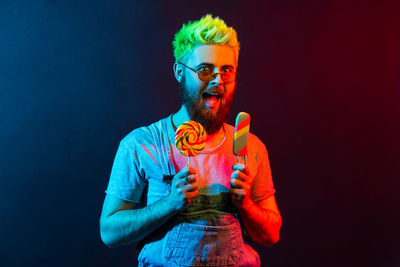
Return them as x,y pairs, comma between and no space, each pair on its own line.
178,71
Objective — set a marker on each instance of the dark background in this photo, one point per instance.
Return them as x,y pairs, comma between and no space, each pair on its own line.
319,78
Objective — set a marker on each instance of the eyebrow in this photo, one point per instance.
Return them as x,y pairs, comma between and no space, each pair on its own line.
210,64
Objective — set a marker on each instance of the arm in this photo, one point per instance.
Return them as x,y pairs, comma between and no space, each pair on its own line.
261,219
123,222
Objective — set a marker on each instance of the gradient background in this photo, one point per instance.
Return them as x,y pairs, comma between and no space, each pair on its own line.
319,78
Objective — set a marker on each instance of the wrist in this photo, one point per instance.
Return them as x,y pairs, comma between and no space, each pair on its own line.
171,205
247,204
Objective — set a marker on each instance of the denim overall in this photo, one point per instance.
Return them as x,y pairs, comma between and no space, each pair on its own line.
207,233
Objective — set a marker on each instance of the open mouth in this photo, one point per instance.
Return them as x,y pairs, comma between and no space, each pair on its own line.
211,99
211,95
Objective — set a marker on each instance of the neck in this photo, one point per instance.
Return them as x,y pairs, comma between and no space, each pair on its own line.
181,116
212,141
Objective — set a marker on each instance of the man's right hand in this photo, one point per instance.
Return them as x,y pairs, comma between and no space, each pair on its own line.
183,188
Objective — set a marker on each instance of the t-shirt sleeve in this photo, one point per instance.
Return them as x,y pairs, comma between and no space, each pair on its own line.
263,186
126,182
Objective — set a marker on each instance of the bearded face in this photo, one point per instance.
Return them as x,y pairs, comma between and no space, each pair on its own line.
195,103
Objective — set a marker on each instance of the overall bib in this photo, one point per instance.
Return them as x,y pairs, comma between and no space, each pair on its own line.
208,233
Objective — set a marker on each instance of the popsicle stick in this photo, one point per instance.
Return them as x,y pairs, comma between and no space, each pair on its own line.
241,159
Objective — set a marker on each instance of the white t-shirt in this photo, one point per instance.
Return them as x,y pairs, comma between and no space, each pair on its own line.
147,159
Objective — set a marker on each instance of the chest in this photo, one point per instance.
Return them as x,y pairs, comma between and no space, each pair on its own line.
213,170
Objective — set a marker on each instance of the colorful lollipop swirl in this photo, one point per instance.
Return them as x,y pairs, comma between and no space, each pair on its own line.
190,138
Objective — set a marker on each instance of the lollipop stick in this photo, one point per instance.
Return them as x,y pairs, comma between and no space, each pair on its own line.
189,161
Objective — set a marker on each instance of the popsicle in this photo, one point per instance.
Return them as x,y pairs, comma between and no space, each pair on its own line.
242,127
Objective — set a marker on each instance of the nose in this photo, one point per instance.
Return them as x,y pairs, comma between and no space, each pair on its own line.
218,80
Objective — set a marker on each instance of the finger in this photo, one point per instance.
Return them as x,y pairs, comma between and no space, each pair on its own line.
190,179
240,176
190,195
190,169
183,173
190,187
236,192
238,184
241,167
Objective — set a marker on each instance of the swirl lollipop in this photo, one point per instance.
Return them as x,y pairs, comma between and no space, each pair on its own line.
190,138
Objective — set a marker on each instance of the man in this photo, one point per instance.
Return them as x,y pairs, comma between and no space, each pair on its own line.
203,214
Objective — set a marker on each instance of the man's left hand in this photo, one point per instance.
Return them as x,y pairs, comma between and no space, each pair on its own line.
240,184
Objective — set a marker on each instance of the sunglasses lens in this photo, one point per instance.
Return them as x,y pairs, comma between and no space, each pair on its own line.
207,76
229,77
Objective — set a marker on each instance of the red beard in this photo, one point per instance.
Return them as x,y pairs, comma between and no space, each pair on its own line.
211,121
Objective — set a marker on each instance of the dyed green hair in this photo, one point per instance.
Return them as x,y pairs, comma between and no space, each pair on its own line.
207,30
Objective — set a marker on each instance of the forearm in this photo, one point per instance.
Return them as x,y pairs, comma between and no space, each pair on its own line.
127,226
262,225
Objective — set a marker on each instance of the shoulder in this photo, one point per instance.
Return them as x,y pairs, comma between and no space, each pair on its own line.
144,134
253,140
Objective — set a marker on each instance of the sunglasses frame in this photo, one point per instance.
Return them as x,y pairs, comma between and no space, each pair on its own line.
213,75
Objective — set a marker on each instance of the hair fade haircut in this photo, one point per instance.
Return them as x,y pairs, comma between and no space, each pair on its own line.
207,30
